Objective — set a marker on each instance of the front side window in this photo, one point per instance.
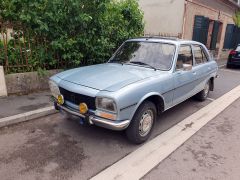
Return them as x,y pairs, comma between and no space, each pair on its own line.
184,56
200,56
150,54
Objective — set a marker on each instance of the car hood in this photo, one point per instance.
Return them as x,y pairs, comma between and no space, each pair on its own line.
109,76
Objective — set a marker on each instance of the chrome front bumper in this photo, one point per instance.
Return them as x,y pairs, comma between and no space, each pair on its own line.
105,123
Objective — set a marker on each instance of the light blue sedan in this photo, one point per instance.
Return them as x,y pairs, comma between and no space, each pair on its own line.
144,77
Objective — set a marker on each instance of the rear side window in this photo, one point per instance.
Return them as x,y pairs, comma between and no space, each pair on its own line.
200,56
184,56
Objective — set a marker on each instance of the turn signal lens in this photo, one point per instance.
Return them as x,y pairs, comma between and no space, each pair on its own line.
106,115
60,99
83,108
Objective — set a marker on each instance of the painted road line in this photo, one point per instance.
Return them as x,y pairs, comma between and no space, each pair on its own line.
222,66
210,99
138,163
27,116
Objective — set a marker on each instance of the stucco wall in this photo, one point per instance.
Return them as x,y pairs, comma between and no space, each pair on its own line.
163,16
196,8
24,83
218,4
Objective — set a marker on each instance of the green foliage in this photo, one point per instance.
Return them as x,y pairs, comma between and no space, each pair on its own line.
236,19
79,32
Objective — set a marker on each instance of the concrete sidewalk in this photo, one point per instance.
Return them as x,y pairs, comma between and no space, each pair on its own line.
14,105
212,153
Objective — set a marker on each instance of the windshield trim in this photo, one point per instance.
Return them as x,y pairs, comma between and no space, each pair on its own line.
172,60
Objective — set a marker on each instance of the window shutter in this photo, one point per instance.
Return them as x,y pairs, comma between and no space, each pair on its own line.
200,29
216,26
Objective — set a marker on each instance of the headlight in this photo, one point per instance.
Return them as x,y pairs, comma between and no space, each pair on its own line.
54,89
106,104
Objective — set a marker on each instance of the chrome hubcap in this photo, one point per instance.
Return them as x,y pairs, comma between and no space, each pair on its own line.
206,89
146,123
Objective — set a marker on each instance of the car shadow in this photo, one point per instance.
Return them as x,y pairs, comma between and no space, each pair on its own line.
165,121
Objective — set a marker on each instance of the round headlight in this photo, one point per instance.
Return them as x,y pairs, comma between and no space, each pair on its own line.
54,89
106,104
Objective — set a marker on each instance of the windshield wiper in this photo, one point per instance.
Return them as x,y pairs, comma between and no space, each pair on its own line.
117,62
142,63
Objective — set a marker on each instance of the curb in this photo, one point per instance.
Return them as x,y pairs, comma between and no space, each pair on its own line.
6,121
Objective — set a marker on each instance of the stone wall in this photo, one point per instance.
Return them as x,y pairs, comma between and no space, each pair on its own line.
3,89
25,83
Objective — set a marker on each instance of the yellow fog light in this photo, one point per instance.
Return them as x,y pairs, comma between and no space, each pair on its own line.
60,99
83,108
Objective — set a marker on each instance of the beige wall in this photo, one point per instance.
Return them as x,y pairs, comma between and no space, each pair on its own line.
163,16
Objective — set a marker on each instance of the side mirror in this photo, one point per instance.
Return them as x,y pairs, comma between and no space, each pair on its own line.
187,67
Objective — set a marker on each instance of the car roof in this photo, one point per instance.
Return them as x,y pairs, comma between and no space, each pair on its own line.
170,40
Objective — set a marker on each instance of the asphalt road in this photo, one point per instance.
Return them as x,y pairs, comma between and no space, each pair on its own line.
55,148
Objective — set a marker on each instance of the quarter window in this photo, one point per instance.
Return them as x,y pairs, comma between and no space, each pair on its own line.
184,56
200,56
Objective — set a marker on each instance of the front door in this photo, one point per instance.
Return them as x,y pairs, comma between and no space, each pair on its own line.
184,79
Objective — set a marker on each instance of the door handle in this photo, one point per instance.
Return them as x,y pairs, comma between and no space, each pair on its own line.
194,73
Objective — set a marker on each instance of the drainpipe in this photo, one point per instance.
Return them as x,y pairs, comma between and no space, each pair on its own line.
184,18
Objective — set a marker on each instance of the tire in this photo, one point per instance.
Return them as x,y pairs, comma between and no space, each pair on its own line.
229,66
202,95
137,133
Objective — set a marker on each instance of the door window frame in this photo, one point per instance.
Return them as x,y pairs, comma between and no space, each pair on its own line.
193,59
204,52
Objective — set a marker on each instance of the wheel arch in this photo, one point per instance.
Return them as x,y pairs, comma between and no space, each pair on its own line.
155,98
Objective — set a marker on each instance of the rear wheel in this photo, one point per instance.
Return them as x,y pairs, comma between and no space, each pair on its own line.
142,123
202,95
229,66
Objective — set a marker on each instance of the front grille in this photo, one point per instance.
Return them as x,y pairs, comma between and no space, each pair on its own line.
78,98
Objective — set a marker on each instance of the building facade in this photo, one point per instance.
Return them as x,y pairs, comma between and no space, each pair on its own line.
207,21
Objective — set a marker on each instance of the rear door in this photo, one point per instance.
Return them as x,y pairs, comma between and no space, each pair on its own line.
183,79
201,67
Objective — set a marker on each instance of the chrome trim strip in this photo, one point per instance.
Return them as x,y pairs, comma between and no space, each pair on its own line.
71,111
113,125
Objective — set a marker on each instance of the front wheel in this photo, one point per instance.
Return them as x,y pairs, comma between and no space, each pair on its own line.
142,123
202,95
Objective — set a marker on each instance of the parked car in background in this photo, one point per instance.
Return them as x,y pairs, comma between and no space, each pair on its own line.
145,77
234,57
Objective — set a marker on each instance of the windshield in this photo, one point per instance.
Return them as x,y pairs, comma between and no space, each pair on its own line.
155,55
